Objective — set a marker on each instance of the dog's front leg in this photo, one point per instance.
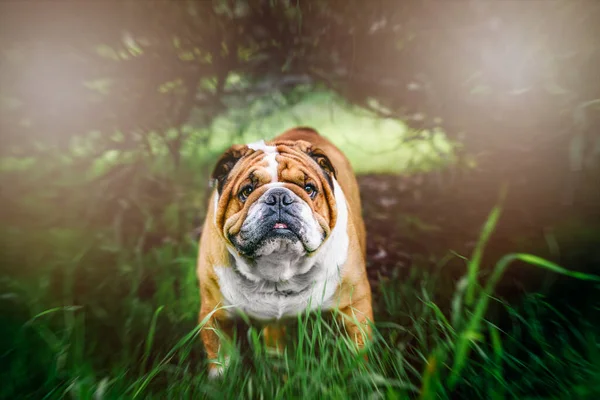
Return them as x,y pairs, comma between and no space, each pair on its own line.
217,324
356,319
274,335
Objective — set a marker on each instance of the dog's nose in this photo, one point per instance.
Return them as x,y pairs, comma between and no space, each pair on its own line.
279,197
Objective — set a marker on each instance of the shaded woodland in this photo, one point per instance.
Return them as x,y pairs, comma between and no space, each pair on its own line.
107,115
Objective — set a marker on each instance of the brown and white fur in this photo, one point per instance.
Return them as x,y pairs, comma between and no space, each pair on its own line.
272,246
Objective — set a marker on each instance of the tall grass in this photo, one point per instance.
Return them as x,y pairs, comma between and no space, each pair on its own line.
426,345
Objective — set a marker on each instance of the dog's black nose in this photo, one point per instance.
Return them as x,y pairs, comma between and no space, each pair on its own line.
279,197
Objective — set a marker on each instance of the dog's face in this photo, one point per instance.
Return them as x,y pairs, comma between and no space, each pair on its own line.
275,204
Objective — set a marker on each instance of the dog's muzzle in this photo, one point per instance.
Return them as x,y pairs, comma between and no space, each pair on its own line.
279,214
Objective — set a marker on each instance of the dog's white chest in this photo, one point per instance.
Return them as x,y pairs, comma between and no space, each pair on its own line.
262,301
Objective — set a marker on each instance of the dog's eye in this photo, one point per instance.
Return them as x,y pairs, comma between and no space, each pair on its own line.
311,190
245,192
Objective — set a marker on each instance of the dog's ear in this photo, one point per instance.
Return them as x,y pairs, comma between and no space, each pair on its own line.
324,162
226,163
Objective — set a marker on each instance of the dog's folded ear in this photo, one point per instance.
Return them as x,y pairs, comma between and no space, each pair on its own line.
324,162
226,163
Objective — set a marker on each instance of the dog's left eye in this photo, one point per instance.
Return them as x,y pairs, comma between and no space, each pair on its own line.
311,190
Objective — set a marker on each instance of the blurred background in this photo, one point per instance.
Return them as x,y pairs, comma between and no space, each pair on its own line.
112,114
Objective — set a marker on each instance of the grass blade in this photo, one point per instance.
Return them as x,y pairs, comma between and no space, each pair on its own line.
150,338
497,393
186,339
473,327
475,261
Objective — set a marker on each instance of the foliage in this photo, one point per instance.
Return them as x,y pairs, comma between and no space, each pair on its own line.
112,341
495,73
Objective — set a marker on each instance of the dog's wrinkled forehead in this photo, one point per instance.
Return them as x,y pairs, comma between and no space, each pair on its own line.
269,157
272,162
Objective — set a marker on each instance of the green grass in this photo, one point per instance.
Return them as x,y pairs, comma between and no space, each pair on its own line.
128,329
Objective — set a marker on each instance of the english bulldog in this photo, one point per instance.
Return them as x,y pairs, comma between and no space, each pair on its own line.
283,234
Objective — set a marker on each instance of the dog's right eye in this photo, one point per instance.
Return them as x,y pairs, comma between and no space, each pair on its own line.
245,192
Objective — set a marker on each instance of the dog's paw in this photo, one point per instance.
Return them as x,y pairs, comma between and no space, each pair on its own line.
216,369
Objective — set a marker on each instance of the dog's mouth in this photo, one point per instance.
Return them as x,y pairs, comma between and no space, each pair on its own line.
280,225
288,230
283,231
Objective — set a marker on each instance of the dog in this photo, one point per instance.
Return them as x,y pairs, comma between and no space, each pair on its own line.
283,233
